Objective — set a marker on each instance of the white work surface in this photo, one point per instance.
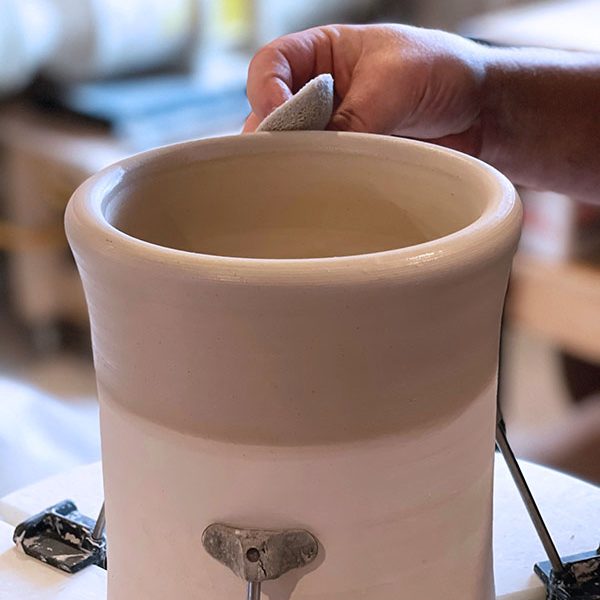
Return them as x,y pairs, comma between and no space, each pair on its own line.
571,509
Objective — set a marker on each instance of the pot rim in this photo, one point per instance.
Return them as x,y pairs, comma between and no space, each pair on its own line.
489,236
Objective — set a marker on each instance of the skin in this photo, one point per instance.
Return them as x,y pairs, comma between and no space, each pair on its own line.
533,114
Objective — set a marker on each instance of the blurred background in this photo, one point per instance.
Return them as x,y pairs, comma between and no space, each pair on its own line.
86,82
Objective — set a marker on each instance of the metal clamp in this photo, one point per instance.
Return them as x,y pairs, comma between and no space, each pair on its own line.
257,555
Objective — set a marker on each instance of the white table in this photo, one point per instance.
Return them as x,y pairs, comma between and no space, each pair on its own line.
571,509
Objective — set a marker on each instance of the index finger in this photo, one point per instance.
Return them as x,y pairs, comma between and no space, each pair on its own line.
280,69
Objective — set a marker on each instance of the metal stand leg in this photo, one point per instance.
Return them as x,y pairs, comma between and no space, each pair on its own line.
98,532
253,590
527,496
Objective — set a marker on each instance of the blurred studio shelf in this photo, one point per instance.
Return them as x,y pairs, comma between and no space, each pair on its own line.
46,155
45,159
555,284
559,301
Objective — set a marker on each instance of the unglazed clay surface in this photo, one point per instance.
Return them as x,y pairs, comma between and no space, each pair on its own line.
298,330
406,510
290,205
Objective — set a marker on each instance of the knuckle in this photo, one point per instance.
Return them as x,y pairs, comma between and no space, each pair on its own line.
264,53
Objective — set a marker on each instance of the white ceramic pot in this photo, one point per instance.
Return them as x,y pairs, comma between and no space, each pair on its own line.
298,330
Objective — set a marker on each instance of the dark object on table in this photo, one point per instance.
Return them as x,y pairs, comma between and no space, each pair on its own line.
579,581
63,538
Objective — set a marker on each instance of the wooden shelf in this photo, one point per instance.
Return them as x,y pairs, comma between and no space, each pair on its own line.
558,301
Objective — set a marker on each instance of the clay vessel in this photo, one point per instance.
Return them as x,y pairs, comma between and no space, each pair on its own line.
298,330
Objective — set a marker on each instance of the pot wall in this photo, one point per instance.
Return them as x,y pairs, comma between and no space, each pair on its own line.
351,395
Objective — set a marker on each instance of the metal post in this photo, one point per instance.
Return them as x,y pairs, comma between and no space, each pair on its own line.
253,590
98,532
527,496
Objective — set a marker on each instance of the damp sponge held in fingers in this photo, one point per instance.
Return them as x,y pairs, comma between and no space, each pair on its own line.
309,109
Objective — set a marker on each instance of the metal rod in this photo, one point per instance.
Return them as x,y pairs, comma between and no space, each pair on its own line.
528,499
98,532
253,590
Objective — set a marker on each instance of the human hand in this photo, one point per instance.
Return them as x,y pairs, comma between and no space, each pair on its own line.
389,79
532,113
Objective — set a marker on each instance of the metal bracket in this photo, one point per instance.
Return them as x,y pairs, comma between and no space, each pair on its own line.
257,555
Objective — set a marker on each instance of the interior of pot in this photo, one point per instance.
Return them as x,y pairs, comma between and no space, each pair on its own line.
291,204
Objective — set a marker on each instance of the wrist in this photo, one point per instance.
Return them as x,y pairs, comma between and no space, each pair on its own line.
539,118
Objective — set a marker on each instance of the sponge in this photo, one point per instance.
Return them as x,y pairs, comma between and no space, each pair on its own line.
309,109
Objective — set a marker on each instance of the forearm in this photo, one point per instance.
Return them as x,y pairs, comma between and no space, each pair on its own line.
541,119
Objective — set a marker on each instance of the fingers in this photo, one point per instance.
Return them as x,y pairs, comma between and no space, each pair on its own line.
375,85
284,66
269,82
390,80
